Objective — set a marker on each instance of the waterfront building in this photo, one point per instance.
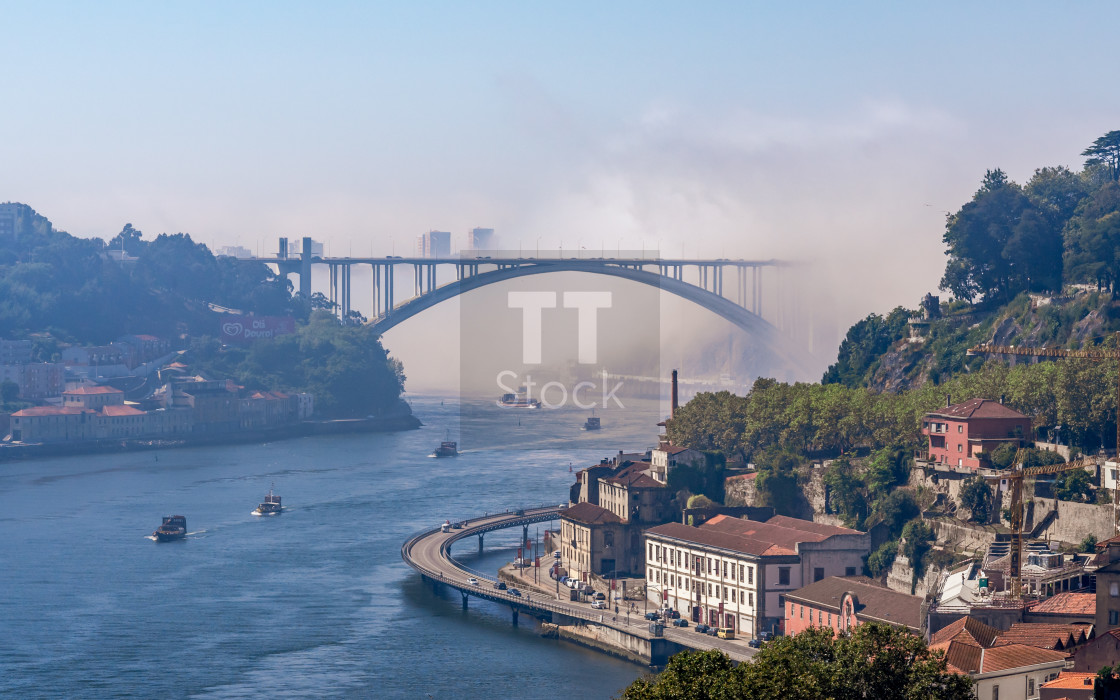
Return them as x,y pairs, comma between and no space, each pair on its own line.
961,435
92,397
843,603
593,541
1069,685
15,352
731,572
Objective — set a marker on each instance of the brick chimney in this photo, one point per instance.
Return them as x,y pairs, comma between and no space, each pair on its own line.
673,409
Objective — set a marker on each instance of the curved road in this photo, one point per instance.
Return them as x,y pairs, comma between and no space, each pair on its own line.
429,552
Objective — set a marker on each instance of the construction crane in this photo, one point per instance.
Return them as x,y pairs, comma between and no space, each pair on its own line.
1113,354
1014,478
1018,473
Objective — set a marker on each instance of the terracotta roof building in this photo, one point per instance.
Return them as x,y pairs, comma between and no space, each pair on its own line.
1069,684
731,572
1046,636
843,603
1000,671
961,435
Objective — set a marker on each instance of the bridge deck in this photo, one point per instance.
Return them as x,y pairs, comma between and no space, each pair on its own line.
429,553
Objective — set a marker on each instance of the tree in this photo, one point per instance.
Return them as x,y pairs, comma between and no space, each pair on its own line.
9,391
1105,152
1074,485
976,496
776,483
872,661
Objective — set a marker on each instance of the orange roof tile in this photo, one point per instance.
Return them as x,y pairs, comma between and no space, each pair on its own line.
1002,658
1071,679
966,629
1069,604
89,390
121,411
49,411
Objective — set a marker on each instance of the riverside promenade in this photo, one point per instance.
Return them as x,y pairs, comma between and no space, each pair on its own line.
429,552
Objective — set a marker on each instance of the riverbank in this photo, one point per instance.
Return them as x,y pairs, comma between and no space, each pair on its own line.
386,424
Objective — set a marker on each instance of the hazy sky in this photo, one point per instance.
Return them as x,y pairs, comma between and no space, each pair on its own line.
834,132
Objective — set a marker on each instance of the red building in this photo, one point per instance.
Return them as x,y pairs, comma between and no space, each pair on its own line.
962,435
843,603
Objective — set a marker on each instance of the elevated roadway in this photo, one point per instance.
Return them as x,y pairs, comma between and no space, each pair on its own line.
429,553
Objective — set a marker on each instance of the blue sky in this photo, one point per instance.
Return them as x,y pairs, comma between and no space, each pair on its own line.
837,132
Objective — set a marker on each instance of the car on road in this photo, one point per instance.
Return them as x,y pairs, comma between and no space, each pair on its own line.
598,605
701,628
500,585
600,596
765,636
458,526
680,622
726,633
473,581
755,643
652,616
670,614
556,554
514,591
712,632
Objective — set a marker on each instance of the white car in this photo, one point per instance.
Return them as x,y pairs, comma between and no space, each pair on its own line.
472,581
598,605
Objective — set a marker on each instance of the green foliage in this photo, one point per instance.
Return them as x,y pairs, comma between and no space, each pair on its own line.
865,343
918,538
1105,153
976,496
882,558
1074,485
1088,545
895,509
345,367
52,280
846,495
777,483
699,501
706,478
873,661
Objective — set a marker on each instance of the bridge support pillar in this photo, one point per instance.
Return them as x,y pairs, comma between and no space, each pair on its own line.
465,596
480,544
514,615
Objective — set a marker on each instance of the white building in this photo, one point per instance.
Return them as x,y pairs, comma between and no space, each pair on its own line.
731,572
666,457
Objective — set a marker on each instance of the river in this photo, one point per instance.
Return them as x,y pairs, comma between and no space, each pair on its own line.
314,602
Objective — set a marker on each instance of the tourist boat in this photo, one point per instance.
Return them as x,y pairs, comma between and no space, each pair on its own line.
271,505
447,449
518,401
592,423
174,527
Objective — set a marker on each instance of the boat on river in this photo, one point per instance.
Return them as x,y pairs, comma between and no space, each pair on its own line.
271,505
518,401
174,527
592,423
447,449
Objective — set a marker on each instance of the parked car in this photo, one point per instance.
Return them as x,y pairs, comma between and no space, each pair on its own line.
670,614
652,616
755,642
600,596
586,588
712,631
473,581
766,636
556,554
680,622
725,633
701,628
500,585
563,580
599,605
514,591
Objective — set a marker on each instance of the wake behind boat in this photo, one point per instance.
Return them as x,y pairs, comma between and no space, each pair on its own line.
271,505
174,527
447,449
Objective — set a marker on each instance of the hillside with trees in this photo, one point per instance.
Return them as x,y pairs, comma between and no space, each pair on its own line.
57,290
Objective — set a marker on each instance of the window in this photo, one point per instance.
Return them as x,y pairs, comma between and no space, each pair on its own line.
818,573
709,589
783,575
725,569
750,574
709,565
1114,588
740,573
959,448
960,428
830,619
820,618
1030,687
850,571
1114,617
995,692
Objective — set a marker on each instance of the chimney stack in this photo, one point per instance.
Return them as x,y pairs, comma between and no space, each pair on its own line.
673,409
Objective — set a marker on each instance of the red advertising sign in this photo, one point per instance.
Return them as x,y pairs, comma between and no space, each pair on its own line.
246,329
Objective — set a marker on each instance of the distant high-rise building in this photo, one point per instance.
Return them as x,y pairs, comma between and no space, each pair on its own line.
480,239
434,244
21,220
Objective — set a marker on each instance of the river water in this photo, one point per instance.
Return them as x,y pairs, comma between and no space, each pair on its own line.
314,602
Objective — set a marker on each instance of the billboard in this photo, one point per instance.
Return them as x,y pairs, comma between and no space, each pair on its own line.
246,329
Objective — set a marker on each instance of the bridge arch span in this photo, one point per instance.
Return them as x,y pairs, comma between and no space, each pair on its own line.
752,323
